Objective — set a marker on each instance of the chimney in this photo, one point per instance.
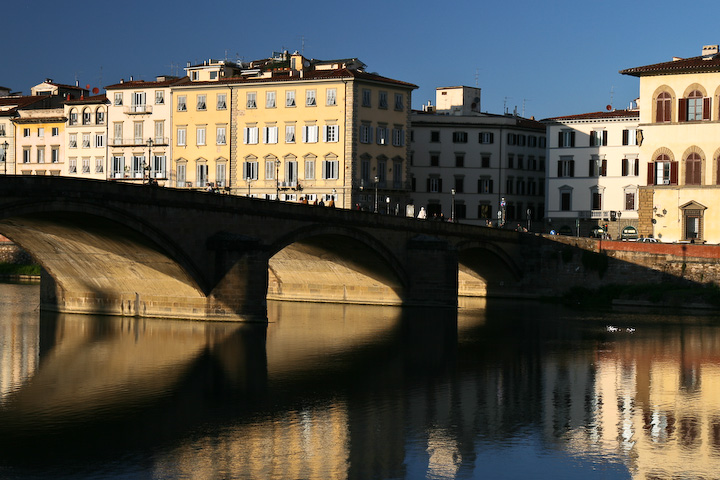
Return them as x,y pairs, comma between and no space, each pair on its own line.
709,50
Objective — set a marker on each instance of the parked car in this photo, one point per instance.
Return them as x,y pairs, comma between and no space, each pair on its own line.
648,240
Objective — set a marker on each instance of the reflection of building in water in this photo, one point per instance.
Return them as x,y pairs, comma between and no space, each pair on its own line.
309,444
19,344
654,403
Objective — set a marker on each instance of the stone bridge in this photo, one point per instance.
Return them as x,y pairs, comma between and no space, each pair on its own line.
135,250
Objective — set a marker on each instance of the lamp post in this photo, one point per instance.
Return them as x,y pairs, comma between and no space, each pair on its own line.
333,195
5,146
452,206
529,217
149,165
377,179
249,181
387,209
277,179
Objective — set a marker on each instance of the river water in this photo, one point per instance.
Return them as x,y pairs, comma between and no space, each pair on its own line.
500,390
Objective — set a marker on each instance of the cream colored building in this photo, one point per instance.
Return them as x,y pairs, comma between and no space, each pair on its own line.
85,146
296,128
9,107
39,143
139,120
594,172
680,130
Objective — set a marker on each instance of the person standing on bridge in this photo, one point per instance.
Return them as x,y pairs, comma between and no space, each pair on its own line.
331,203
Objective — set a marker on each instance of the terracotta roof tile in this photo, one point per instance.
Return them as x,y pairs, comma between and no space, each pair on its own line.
693,64
148,84
597,115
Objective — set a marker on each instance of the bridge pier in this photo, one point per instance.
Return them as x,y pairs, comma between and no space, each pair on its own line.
432,271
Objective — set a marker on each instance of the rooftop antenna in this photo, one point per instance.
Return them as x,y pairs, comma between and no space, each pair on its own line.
523,107
302,45
477,76
100,82
612,92
173,68
505,110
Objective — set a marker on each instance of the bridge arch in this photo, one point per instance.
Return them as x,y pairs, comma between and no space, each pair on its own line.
334,263
101,259
485,269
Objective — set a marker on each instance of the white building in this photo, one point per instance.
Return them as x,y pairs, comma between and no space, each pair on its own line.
477,167
593,173
85,137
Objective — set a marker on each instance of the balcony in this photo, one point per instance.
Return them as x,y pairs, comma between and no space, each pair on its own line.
135,142
287,184
597,214
138,109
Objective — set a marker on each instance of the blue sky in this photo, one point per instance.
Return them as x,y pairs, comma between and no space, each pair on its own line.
547,58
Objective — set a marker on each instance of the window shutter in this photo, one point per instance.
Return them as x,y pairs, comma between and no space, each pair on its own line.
560,141
492,137
706,108
490,186
651,173
592,138
682,110
304,133
325,133
637,167
591,170
717,174
604,168
572,168
439,185
659,113
427,188
604,138
673,173
624,166
572,139
479,186
667,110
559,172
245,135
626,134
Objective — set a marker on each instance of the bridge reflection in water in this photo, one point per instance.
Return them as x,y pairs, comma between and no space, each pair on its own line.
344,391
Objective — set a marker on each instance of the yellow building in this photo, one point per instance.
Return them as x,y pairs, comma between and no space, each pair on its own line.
680,131
9,107
294,128
39,142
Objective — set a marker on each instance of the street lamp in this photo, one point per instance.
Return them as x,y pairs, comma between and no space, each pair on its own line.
333,195
377,179
148,167
277,179
387,210
249,181
4,156
452,206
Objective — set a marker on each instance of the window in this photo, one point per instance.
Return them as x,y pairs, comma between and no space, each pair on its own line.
566,167
269,99
181,175
434,136
72,140
399,101
41,155
484,210
662,171
382,135
509,184
309,169
100,117
510,161
542,142
630,166
72,165
138,133
693,221
270,134
598,138
521,139
220,138
331,97
138,166
194,75
159,97
566,138
693,169
310,134
331,133
629,200
397,174
160,131
2,129
118,98
460,137
213,75
565,199
289,133
663,105
291,170
485,161
520,162
181,136
290,98
330,169
459,184
434,160
85,165
597,166
221,103
220,170
55,155
694,107
73,120
99,140
382,100
366,133
532,141
486,137
485,185
366,98
250,135
41,132
596,199
310,99
86,117
200,135
202,175
511,139
398,137
629,136
138,102
250,170
251,100
459,160
181,103
99,168
201,102
434,184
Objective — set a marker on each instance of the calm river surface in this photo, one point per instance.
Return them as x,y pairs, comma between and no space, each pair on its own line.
502,390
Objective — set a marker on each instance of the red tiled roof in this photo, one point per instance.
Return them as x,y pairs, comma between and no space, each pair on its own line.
598,115
684,65
151,84
90,99
73,87
18,102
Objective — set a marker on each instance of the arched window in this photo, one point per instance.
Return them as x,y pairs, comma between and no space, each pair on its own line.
100,116
73,117
662,171
86,116
693,169
694,108
664,108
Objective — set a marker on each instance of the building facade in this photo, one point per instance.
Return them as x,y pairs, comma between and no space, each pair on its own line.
83,153
680,129
475,167
593,175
